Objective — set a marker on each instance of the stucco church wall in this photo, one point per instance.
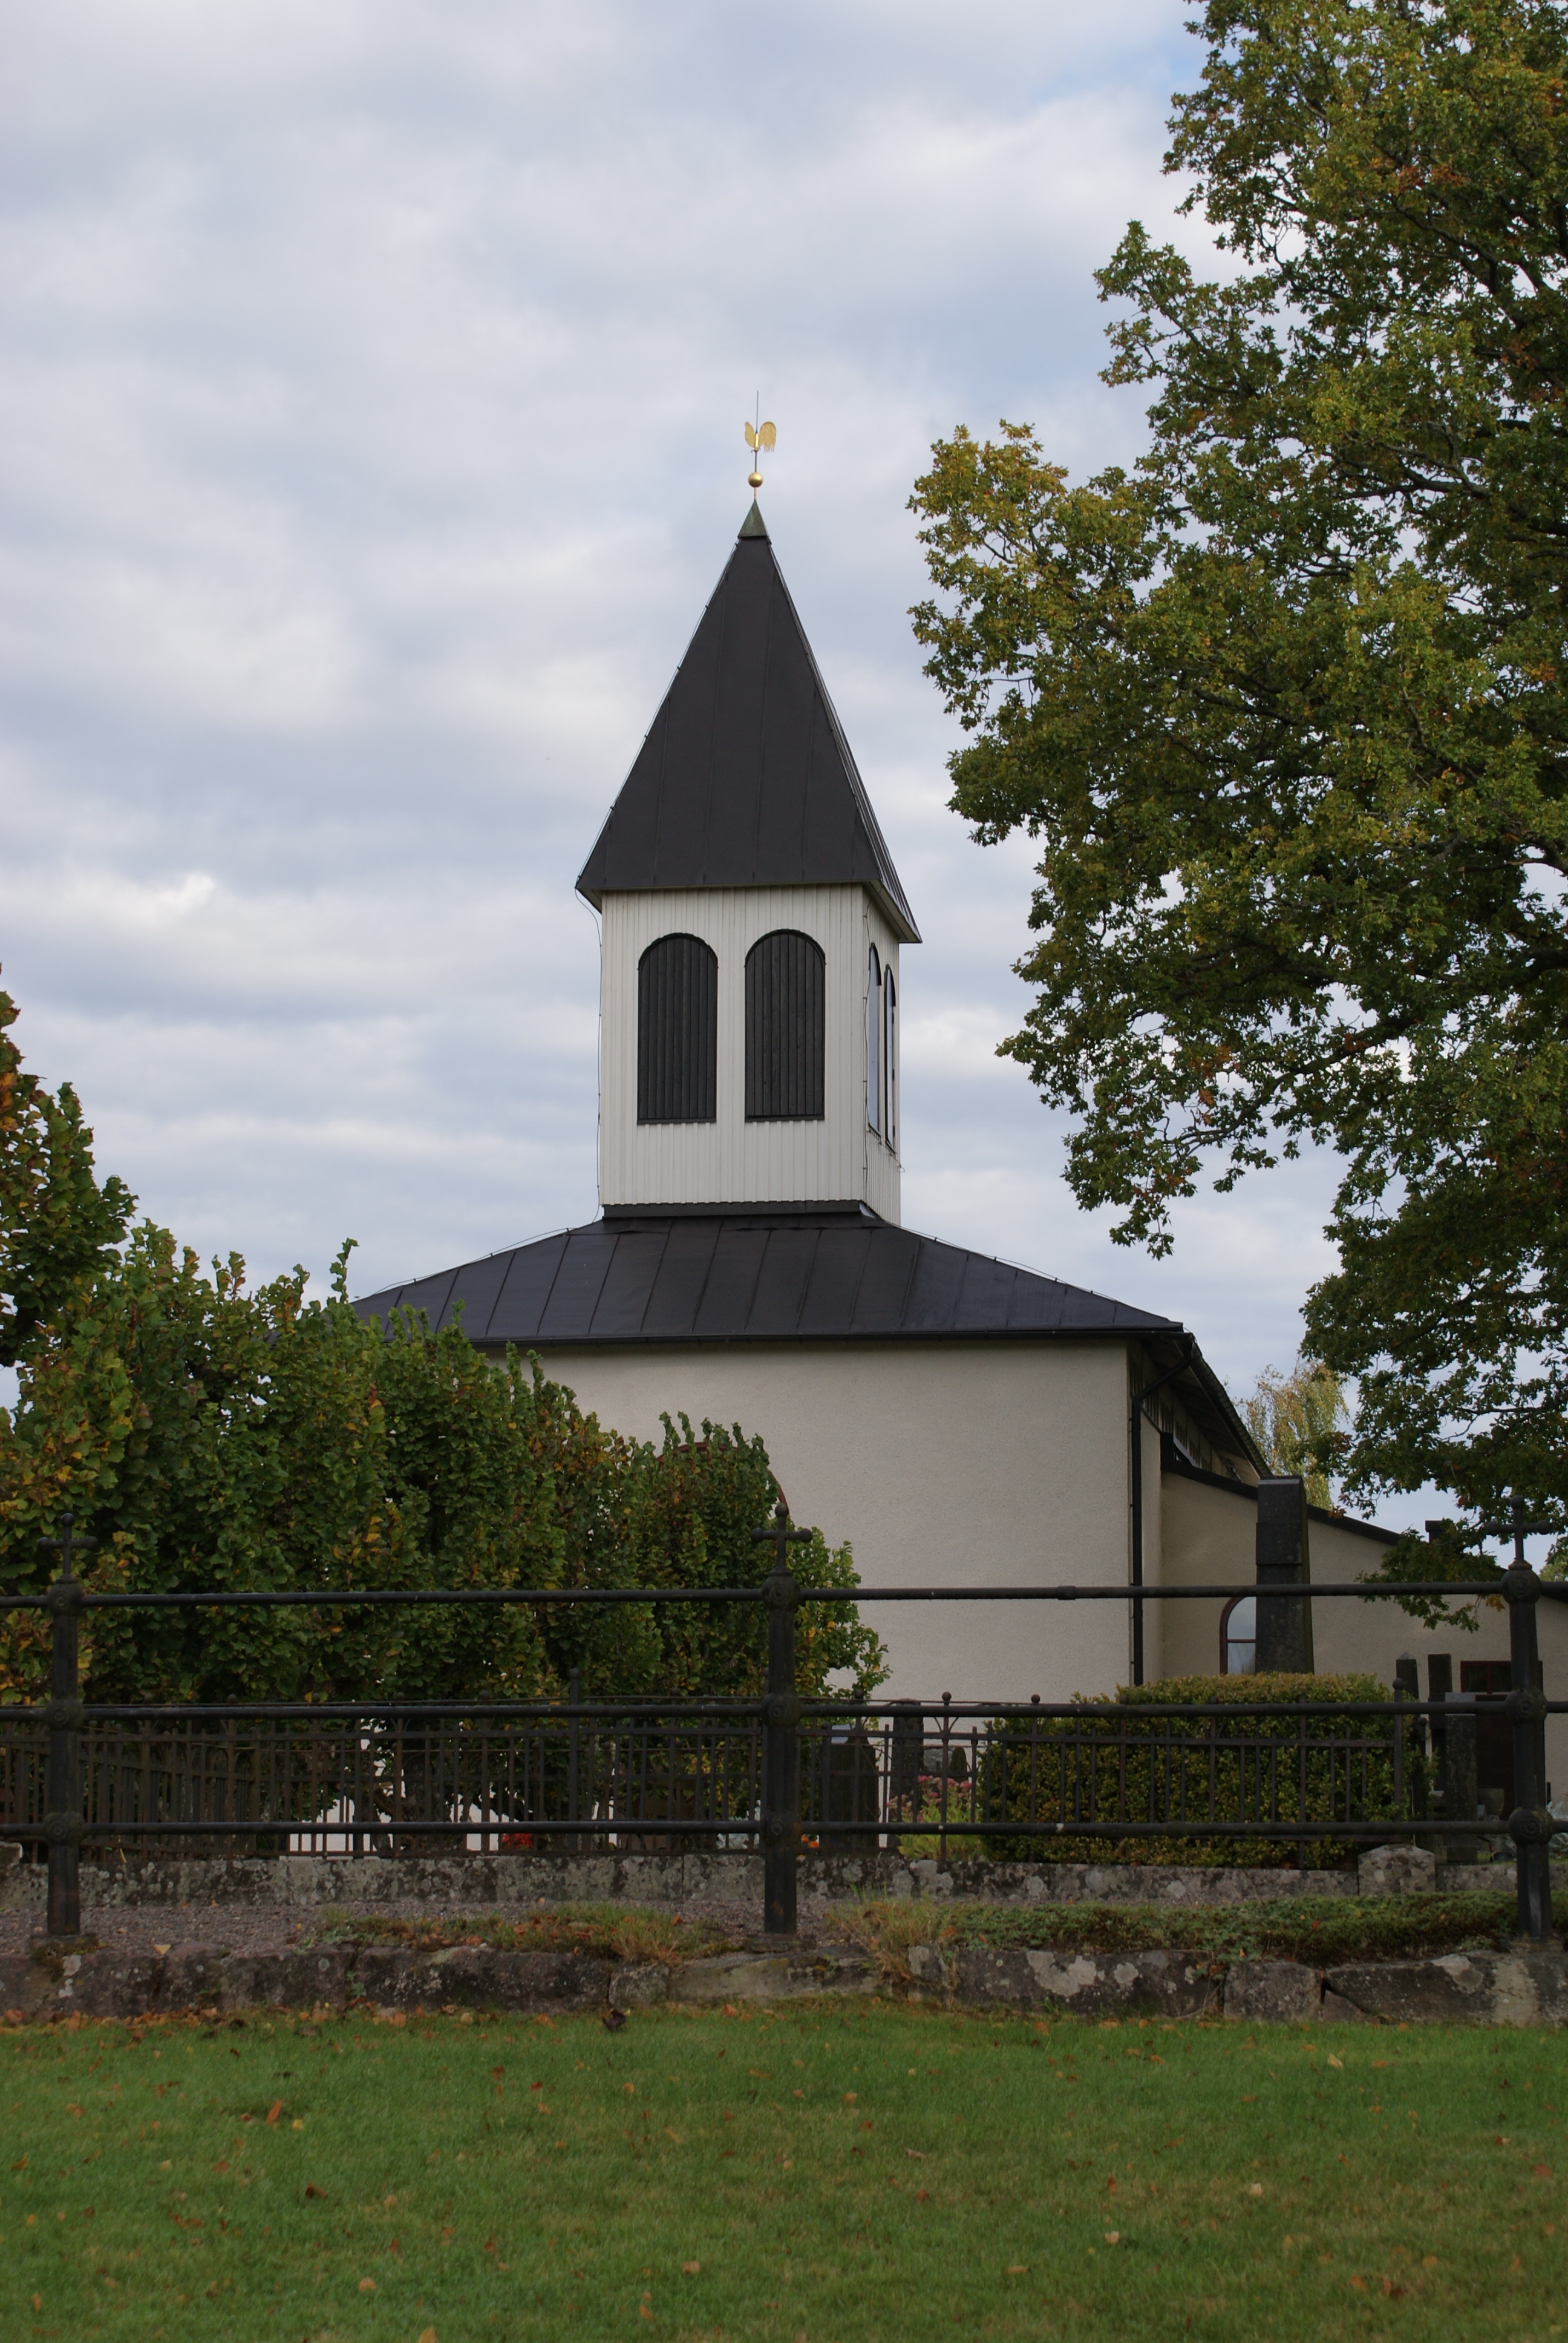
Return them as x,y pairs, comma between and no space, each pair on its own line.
1210,1533
943,1463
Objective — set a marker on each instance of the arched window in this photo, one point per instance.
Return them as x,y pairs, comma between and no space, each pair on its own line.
1239,1636
786,1028
890,1059
874,1042
677,1031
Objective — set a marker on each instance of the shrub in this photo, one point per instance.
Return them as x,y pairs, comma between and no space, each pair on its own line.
1109,1764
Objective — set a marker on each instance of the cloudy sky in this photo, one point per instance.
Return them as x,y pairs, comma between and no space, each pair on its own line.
372,400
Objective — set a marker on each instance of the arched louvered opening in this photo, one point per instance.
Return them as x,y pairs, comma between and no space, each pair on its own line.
786,1028
677,1031
874,1041
889,1060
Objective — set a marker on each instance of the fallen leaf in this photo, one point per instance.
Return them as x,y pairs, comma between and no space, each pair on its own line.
675,2136
312,2190
919,2154
1359,2285
691,2269
428,2335
37,2302
388,2202
160,1949
1429,2261
1018,2269
1336,2062
1394,2292
298,2124
1254,2188
1113,2236
849,2098
366,2286
275,2111
1543,2172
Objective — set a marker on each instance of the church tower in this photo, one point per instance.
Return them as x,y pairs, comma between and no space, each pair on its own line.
752,920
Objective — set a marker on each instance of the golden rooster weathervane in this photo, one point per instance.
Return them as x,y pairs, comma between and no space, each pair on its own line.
760,437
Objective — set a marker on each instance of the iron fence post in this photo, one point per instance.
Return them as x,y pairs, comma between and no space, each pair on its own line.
1529,1826
64,1717
780,1759
780,1731
574,1695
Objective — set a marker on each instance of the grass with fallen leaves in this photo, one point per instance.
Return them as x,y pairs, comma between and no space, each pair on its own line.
848,2172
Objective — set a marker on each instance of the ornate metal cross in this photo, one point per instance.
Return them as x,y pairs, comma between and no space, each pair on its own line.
780,1536
68,1544
1518,1529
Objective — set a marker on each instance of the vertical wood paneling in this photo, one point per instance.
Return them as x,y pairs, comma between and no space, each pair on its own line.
730,1160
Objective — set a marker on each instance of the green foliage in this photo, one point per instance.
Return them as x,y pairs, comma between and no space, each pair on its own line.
1285,704
1298,1422
56,1224
1317,1929
1447,1553
1131,1768
211,1435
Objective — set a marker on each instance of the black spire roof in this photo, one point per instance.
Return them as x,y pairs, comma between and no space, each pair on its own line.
762,1275
746,779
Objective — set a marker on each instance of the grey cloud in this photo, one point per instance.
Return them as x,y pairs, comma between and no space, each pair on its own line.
374,387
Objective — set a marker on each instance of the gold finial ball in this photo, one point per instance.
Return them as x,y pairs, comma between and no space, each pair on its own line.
754,479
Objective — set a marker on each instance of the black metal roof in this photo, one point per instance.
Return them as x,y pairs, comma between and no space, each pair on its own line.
760,1275
746,779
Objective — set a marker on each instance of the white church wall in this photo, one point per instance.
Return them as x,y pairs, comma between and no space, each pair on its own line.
731,1161
1210,1533
956,1463
1156,1625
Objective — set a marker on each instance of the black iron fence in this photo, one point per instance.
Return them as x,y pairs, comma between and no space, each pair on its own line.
779,1772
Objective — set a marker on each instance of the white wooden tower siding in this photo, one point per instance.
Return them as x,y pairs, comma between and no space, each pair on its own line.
752,920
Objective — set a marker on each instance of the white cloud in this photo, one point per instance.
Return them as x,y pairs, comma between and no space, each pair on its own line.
374,384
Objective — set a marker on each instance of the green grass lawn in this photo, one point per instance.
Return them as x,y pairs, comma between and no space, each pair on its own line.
838,2173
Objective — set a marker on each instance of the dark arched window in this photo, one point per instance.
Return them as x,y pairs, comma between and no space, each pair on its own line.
874,1042
889,1060
1239,1636
677,1031
786,1028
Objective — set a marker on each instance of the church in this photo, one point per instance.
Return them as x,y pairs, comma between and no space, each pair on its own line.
958,1420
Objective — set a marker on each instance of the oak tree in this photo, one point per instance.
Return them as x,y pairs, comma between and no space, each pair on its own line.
1285,704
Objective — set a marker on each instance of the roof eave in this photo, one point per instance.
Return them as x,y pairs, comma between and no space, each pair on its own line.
897,915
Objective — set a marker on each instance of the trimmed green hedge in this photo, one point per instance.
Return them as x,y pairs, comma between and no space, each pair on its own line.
1137,1769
